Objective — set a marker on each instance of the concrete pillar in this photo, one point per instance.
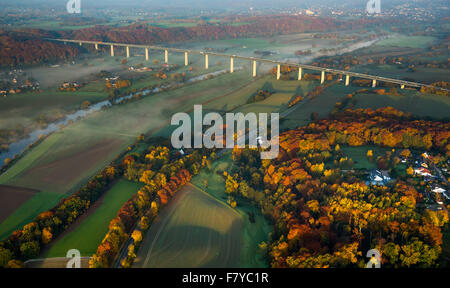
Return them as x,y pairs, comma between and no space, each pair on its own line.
231,65
81,44
186,59
402,86
278,71
128,52
322,77
166,56
112,51
347,80
300,72
206,61
374,83
96,46
146,54
254,68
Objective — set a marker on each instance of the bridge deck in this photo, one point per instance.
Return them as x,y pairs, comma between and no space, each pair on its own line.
261,60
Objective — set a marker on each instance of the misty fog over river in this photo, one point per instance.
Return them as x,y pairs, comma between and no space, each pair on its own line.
17,148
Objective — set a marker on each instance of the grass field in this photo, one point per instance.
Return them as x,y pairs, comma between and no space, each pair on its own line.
195,230
90,229
253,232
26,213
199,229
421,75
58,262
358,155
423,105
408,41
322,104
236,100
65,160
26,108
12,198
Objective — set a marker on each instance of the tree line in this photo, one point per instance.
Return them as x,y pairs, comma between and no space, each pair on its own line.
163,174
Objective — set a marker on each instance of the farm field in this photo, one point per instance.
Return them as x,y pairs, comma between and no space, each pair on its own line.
322,104
199,217
407,41
88,231
422,75
423,105
236,100
12,198
254,232
65,160
281,46
58,262
27,108
38,203
194,230
275,103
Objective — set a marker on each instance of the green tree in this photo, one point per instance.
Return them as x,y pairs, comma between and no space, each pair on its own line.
244,189
391,251
29,250
5,256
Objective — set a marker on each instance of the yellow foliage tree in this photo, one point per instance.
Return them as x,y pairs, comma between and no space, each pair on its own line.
137,236
410,171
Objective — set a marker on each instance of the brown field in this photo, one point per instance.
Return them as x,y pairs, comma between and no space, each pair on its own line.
66,170
194,230
59,262
12,198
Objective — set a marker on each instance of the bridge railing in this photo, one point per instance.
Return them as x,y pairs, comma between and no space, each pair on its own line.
374,78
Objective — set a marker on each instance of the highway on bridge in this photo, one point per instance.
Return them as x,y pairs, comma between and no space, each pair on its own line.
348,74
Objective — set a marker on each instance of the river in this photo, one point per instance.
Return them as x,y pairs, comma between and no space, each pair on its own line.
19,147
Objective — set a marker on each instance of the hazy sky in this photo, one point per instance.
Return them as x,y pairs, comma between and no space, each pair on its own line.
201,3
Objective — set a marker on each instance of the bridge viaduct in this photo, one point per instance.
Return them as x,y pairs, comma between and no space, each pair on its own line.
253,60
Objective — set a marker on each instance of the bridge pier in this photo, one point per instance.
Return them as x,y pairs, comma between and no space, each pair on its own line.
166,56
300,72
128,52
254,68
112,50
146,54
96,46
322,77
402,86
347,80
374,83
231,65
278,71
186,59
81,44
206,61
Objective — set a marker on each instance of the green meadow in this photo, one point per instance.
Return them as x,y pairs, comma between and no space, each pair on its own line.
89,233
